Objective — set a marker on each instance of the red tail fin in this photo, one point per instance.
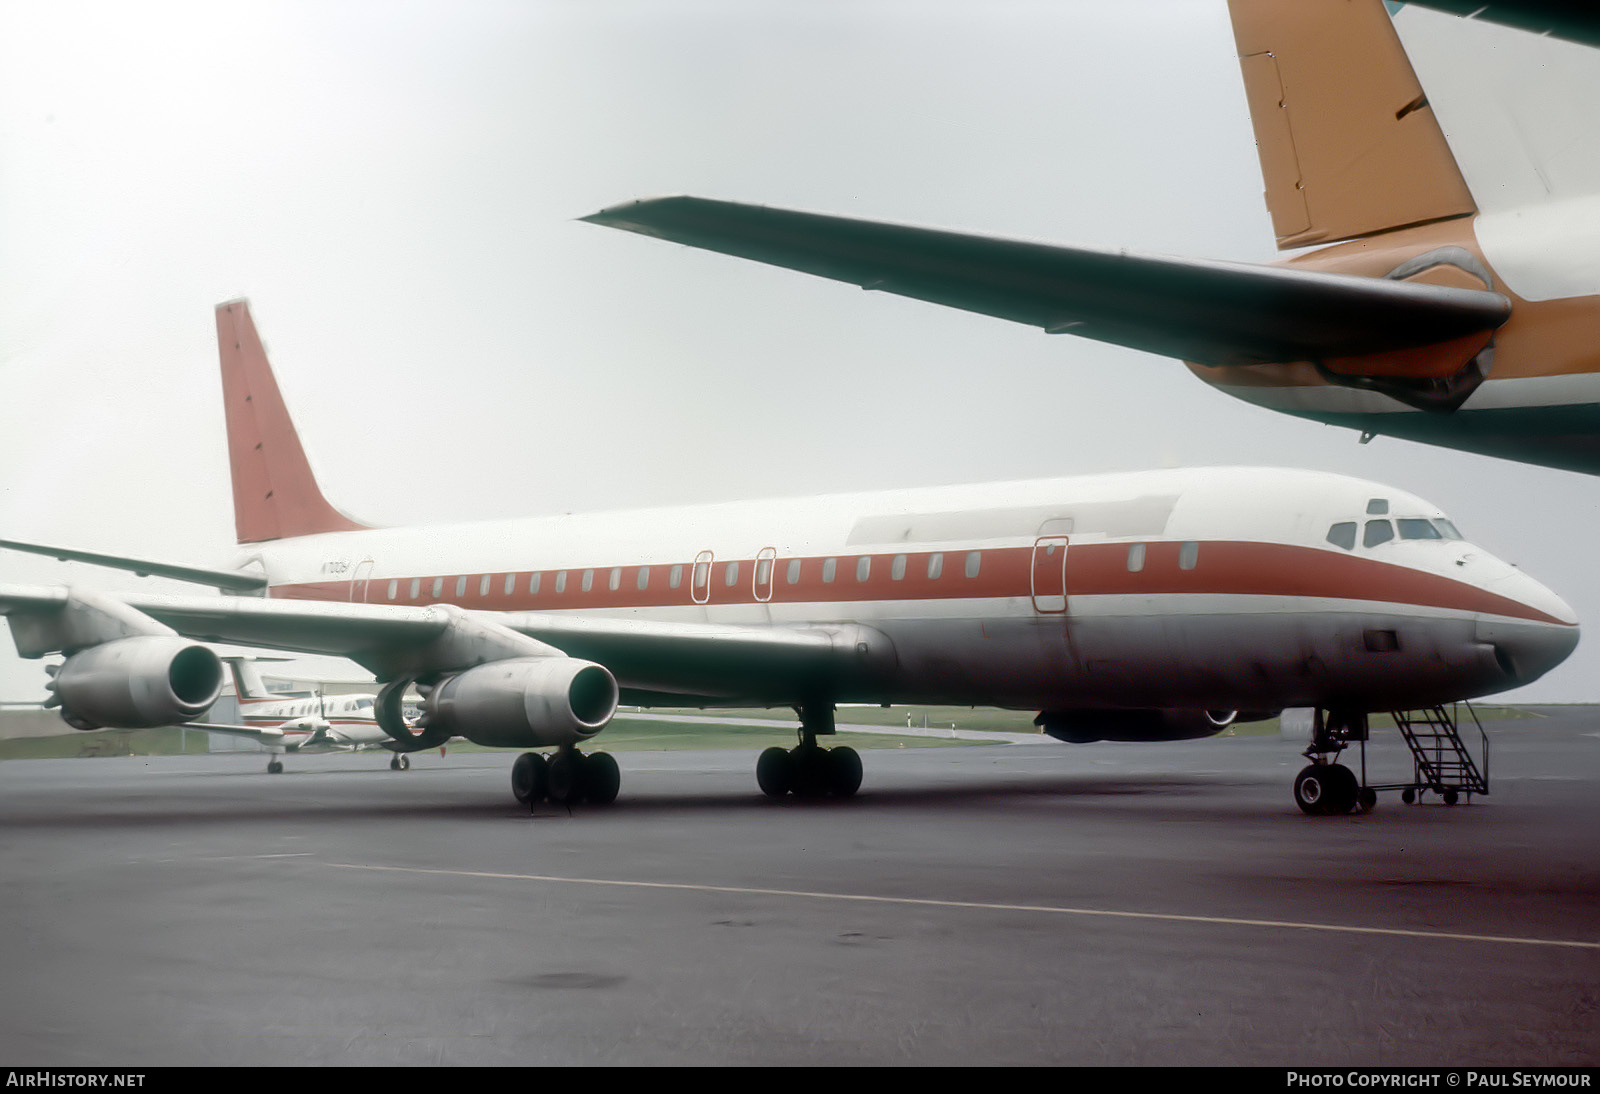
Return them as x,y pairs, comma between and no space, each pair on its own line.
274,493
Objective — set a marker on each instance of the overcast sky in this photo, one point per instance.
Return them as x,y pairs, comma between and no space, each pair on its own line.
394,186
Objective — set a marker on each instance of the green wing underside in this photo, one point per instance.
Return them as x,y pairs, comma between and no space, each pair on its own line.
1212,313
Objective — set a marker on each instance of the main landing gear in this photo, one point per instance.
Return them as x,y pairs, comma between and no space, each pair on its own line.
399,762
808,770
566,778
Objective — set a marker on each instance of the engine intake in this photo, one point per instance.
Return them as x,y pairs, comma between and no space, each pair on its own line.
137,683
1086,726
524,702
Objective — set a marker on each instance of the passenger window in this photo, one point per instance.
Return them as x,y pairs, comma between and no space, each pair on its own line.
394,587
1188,555
588,580
974,560
730,574
897,569
675,576
863,567
416,587
1378,531
935,565
483,585
616,578
511,584
561,582
828,568
438,586
1343,535
643,580
533,584
794,571
1135,557
702,577
1411,528
763,571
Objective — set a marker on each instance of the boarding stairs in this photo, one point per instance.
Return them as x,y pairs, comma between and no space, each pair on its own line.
1442,762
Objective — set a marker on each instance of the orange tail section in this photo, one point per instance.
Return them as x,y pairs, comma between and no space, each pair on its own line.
275,496
1349,146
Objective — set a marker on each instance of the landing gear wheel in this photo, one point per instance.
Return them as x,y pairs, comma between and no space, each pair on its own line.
566,777
602,778
528,778
1409,796
1311,790
844,771
1366,800
1341,791
774,772
1450,797
274,767
405,763
394,762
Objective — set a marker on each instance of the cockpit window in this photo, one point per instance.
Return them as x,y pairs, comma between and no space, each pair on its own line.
1377,507
1448,529
1378,531
1416,528
1343,535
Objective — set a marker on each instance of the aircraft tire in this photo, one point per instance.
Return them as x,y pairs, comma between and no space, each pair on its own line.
565,778
1311,790
274,767
528,778
1341,792
844,771
602,778
774,772
405,763
1366,800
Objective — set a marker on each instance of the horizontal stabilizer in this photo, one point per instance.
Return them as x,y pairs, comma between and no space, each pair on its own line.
228,581
1556,18
1211,313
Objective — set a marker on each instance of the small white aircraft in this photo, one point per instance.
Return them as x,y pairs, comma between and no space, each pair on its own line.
1140,607
305,721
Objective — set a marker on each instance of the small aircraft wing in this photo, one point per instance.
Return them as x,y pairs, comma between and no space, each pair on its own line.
652,661
1211,313
267,735
228,581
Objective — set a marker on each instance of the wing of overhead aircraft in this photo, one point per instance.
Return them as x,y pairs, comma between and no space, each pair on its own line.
1212,313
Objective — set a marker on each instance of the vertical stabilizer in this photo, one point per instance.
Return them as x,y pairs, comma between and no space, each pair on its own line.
274,493
1349,146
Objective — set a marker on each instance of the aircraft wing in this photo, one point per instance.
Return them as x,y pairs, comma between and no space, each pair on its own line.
1211,313
228,581
267,735
652,661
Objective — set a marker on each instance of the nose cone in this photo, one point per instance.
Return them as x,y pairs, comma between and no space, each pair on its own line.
1539,639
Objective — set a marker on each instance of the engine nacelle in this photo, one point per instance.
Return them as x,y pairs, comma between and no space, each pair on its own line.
1085,726
137,683
524,702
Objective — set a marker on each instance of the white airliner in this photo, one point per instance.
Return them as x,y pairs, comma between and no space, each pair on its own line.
306,721
1142,607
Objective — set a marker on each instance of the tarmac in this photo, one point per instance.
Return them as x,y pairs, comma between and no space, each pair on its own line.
1032,903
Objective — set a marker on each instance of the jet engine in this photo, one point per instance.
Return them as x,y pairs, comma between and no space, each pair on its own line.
137,683
1085,726
524,702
